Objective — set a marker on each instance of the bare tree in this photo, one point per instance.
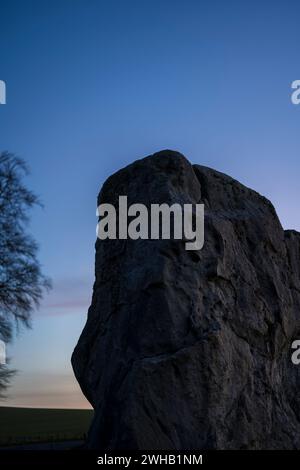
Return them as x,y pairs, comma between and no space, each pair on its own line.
22,283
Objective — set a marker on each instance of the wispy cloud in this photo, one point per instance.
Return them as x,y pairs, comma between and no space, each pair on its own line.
68,296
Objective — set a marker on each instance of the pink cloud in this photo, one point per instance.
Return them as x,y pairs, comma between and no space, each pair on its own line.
68,296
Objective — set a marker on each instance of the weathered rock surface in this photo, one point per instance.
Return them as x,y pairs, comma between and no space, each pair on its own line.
192,350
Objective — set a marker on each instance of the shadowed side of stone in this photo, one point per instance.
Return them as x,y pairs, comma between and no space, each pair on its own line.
192,349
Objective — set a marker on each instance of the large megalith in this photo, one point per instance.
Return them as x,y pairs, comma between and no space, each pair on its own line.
192,349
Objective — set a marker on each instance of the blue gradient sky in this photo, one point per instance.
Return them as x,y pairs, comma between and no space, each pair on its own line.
93,85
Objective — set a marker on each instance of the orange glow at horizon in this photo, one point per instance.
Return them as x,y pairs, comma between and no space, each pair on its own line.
40,390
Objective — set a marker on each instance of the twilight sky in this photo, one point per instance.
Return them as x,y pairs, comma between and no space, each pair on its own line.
93,85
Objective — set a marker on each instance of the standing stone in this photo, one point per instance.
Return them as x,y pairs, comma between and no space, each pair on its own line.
192,349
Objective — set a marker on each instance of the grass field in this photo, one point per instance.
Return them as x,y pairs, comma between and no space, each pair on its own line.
27,425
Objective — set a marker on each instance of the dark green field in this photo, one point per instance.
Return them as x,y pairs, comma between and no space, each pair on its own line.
27,425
